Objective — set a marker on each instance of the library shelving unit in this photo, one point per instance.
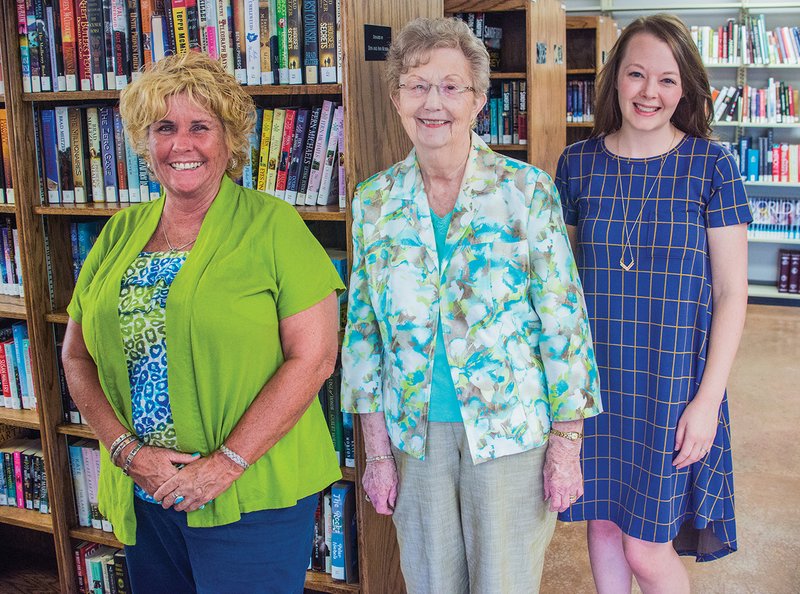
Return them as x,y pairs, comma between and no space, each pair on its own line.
533,50
374,139
589,39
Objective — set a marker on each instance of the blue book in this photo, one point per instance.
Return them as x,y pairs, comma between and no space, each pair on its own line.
19,331
752,164
744,144
344,560
50,153
87,235
132,161
296,155
254,140
108,153
349,440
310,42
76,257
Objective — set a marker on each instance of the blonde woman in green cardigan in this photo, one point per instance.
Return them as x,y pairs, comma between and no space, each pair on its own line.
201,328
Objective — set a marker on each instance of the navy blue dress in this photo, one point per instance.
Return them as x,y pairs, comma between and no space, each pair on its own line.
650,327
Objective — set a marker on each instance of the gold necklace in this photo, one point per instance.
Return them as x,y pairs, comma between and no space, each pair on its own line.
628,233
169,245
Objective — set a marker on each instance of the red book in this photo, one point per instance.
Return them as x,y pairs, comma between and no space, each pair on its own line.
82,43
286,150
68,49
776,162
18,478
784,163
83,549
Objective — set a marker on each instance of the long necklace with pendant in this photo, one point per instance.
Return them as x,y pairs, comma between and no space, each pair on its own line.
627,247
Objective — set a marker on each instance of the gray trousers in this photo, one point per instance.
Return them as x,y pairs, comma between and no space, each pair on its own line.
467,528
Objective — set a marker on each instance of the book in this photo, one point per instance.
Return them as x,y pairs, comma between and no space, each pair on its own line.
121,161
310,42
285,151
108,153
253,42
49,154
283,42
79,485
296,155
294,31
276,138
78,151
328,190
6,156
64,156
344,557
263,159
308,155
320,146
94,145
69,44
239,41
326,19
268,39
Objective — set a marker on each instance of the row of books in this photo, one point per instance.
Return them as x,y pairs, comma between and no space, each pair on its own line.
491,36
16,376
10,265
335,546
297,155
763,160
788,271
504,118
777,218
70,45
23,480
85,157
747,42
777,103
101,569
580,101
84,463
6,185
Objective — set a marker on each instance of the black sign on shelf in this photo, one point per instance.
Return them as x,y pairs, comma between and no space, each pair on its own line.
377,40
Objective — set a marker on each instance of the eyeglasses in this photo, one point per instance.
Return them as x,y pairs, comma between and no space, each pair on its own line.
420,88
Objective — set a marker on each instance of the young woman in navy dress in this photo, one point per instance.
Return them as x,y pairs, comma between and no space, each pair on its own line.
657,215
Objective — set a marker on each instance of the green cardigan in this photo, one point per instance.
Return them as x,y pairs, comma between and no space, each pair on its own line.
254,263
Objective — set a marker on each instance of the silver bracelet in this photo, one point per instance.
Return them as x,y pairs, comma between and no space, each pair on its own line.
379,458
119,440
115,452
234,457
129,460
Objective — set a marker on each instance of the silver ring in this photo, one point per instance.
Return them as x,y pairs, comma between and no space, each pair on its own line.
367,499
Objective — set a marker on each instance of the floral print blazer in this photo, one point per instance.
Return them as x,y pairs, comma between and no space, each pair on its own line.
516,331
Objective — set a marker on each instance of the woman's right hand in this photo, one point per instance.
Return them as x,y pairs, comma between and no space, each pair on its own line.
151,466
380,484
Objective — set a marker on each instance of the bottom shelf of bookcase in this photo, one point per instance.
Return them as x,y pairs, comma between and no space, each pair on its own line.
322,582
769,294
26,518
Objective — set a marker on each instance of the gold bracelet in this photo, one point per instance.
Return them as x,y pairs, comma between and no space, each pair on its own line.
569,435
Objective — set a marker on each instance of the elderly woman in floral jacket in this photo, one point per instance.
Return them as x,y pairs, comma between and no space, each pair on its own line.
467,351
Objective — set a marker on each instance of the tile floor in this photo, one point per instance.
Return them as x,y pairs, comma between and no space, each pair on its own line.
764,394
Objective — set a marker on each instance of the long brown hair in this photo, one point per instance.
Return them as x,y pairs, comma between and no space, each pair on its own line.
695,109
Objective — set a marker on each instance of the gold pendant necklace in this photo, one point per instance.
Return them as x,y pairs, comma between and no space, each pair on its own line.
627,247
169,245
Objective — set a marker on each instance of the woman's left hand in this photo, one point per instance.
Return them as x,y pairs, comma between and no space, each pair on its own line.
563,479
696,430
198,482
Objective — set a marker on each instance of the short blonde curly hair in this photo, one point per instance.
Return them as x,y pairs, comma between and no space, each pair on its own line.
420,37
205,82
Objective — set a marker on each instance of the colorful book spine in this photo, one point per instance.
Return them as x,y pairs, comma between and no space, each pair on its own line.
106,117
283,43
239,41
308,155
326,17
77,148
296,157
121,161
328,190
263,160
266,14
24,50
49,144
252,42
310,42
276,140
294,29
286,149
64,155
320,146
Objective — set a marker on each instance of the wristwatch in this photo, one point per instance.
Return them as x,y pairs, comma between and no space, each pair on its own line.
570,435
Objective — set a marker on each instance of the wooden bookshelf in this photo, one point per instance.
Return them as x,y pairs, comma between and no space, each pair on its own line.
374,139
28,419
589,39
525,25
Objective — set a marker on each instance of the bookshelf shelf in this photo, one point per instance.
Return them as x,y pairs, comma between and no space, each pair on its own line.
502,148
754,125
8,209
12,307
259,90
756,66
26,518
95,535
770,292
20,418
322,582
101,209
57,317
779,240
580,124
75,430
759,184
507,75
580,71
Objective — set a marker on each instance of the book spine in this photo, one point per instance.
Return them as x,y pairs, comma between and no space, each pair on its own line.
286,149
308,155
239,40
136,48
79,485
84,55
46,65
107,152
263,160
64,155
320,147
97,44
296,156
265,15
49,143
283,42
252,42
329,165
339,41
33,47
784,258
68,45
326,17
78,153
24,50
132,171
276,140
94,142
110,44
6,156
19,479
294,29
120,161
342,189
224,32
310,42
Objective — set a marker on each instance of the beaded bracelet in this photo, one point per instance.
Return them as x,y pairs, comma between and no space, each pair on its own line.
233,456
127,466
115,452
379,458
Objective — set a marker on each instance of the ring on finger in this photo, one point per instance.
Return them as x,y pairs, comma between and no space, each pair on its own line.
367,499
178,498
573,498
